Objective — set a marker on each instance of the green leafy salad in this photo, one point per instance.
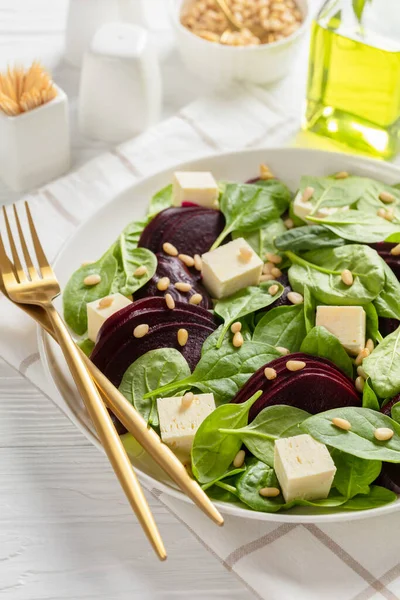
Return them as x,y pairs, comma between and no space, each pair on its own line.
258,332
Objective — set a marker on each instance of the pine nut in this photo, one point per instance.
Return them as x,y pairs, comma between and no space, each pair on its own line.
342,175
307,194
245,254
196,299
182,286
295,298
396,250
389,216
142,270
141,330
266,277
360,357
169,301
383,434
381,212
288,223
92,280
265,171
386,197
282,350
275,272
267,268
235,327
186,259
183,336
347,277
341,423
163,284
187,399
170,249
198,263
239,459
88,262
238,340
106,302
362,373
273,289
274,258
269,492
270,373
370,345
359,383
295,365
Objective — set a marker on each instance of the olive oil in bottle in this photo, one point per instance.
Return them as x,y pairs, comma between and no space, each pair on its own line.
353,93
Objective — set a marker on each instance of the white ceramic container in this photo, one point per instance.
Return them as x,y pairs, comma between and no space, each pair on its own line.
221,64
120,90
35,146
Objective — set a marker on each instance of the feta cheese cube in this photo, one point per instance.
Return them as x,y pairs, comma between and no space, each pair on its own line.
230,268
304,468
198,187
179,423
347,323
304,209
97,314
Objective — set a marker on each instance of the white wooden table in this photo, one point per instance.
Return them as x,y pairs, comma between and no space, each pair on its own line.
66,531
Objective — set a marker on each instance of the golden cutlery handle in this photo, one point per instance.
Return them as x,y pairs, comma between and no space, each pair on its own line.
106,431
151,442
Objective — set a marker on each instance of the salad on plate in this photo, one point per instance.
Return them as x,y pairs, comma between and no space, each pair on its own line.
258,332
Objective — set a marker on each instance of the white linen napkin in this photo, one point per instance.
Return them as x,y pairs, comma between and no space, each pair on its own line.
348,561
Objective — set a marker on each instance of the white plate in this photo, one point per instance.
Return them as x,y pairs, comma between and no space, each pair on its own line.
95,235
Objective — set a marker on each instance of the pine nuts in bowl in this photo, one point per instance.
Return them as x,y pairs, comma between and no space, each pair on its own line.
261,52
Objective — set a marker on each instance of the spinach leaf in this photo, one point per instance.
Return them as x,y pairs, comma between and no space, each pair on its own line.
378,496
282,326
372,323
310,307
224,371
246,301
76,294
370,399
383,366
223,477
222,492
359,440
307,237
262,239
212,451
370,202
354,475
321,271
86,346
247,207
320,342
129,258
329,191
356,226
395,412
211,342
160,201
272,423
149,372
394,238
387,303
134,230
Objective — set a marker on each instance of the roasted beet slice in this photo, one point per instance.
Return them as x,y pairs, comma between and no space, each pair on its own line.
160,336
173,268
387,325
384,251
153,311
191,229
318,387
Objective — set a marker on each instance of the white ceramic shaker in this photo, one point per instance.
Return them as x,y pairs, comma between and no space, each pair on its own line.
34,145
85,17
120,89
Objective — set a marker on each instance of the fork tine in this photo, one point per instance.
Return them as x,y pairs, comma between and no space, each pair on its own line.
18,269
34,275
40,255
6,267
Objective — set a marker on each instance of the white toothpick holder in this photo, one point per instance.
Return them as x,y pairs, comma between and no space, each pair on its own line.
34,146
120,89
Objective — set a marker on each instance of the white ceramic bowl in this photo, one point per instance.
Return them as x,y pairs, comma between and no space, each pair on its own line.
221,64
95,235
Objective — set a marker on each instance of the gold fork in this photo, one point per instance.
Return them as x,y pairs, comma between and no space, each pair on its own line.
39,289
